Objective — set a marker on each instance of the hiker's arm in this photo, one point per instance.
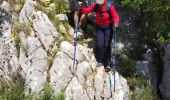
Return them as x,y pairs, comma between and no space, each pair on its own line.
115,16
88,9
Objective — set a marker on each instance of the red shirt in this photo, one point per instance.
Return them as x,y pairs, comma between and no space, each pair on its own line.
105,18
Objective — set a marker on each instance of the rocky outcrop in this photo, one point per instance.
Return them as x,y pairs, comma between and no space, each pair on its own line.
8,56
27,11
84,81
147,68
165,84
36,49
30,60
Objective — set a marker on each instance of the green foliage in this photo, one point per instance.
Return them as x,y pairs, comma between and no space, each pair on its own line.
25,27
66,25
138,84
16,5
61,96
126,63
17,44
16,92
47,93
137,81
39,7
58,42
16,29
145,93
11,90
55,51
61,6
50,62
155,18
56,22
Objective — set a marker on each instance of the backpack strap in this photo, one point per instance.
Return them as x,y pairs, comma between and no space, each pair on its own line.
108,8
96,7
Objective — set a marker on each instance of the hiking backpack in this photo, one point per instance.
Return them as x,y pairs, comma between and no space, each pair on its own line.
107,9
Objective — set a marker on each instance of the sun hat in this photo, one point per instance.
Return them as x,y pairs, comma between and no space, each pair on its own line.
99,1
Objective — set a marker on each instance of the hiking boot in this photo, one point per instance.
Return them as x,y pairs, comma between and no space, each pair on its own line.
99,64
108,69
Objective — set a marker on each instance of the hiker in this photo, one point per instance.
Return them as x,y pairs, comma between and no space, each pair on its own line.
75,4
104,30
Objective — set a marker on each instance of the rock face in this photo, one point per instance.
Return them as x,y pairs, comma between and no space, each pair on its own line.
165,84
34,52
146,68
84,81
27,11
8,59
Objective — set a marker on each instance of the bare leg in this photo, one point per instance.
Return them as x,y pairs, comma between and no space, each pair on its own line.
75,19
82,19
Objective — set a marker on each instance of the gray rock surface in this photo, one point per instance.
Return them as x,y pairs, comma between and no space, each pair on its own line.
165,84
147,68
34,66
27,11
45,30
86,82
8,56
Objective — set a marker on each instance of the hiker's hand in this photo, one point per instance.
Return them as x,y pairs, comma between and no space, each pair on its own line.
116,27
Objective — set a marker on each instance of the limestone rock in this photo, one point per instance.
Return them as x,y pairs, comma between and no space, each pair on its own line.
45,30
34,66
86,81
27,11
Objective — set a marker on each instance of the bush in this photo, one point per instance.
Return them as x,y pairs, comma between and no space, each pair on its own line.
11,90
15,91
137,81
126,63
17,43
25,27
145,93
153,21
49,62
55,51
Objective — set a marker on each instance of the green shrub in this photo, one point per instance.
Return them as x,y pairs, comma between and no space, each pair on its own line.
56,23
145,93
50,62
17,44
137,81
60,96
54,52
60,6
126,63
47,93
16,92
25,27
153,19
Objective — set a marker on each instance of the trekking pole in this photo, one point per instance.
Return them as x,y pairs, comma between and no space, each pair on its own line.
114,60
110,83
75,40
